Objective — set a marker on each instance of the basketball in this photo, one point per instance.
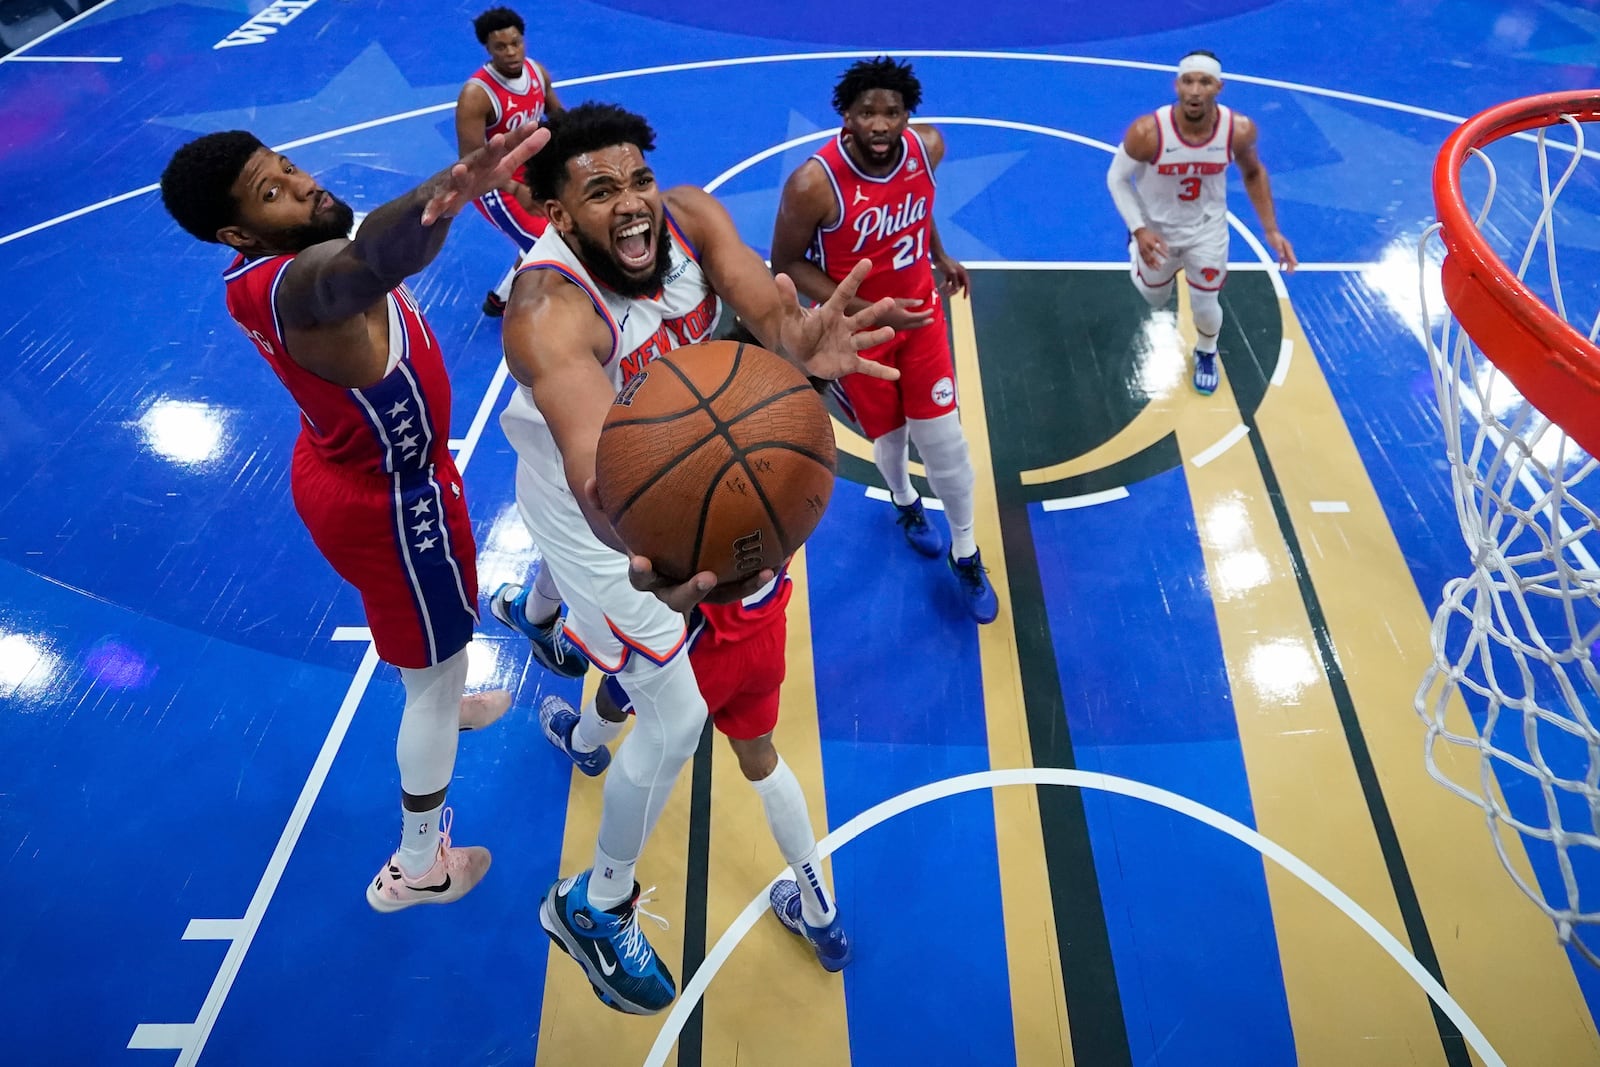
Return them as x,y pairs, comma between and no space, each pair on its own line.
716,457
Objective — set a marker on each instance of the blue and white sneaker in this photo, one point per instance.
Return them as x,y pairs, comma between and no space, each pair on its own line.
921,534
830,943
1206,376
975,587
625,971
551,647
559,719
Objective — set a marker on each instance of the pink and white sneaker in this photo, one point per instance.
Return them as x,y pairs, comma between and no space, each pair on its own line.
483,709
452,876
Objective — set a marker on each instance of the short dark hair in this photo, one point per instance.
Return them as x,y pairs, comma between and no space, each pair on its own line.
1201,52
494,20
586,128
197,186
881,73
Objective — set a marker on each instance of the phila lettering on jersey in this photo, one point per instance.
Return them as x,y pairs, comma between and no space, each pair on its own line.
398,425
517,102
884,219
1186,188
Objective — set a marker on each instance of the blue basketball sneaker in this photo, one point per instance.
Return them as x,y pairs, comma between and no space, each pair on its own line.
975,587
830,943
921,534
551,647
625,971
1205,372
559,719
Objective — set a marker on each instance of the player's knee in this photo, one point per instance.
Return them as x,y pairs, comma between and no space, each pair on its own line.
1157,296
757,756
1207,310
942,445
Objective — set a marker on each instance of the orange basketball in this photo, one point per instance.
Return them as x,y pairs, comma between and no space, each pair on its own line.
716,457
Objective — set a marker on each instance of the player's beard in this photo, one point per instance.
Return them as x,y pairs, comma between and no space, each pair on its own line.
334,224
602,264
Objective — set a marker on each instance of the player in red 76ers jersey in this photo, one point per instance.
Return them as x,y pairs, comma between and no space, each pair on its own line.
372,477
868,194
1169,181
507,92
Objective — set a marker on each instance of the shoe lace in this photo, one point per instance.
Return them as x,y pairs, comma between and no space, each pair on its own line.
632,941
558,643
910,515
971,572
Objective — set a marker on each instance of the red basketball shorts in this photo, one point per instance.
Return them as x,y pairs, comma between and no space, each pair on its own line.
405,543
740,679
926,388
506,214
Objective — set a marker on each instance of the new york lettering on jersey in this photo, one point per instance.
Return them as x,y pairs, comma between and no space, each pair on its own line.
1187,185
395,425
884,219
644,329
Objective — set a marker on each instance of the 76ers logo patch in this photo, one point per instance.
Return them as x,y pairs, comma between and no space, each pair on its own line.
1210,274
944,392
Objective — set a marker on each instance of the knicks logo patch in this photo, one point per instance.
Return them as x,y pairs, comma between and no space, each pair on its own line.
1210,274
944,392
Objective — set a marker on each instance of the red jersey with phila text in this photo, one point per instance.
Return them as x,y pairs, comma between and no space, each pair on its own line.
882,219
516,101
398,425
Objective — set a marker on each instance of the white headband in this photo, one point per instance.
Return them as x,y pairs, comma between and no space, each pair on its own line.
1201,65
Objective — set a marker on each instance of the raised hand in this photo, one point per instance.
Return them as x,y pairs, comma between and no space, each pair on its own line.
488,168
826,341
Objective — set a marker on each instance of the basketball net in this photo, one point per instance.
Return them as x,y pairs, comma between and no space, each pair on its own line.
1517,379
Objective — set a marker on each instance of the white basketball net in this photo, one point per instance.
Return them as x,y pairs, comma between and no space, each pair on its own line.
1516,634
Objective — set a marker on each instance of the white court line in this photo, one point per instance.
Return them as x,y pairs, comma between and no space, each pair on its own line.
691,995
1086,500
794,57
65,59
1280,373
15,55
1329,507
930,502
190,1038
1229,439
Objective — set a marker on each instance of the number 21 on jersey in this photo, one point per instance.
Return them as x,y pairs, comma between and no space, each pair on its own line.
908,249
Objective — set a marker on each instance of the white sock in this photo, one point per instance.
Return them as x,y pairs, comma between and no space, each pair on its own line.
544,599
612,880
425,749
962,543
592,731
790,820
1206,346
419,840
894,463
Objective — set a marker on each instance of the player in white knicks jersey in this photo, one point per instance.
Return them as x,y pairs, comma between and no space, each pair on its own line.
1169,182
625,273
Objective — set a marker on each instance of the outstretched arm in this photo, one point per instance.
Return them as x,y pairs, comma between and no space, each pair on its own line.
1257,185
338,280
824,341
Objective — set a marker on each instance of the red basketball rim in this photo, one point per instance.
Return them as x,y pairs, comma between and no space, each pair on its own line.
1551,363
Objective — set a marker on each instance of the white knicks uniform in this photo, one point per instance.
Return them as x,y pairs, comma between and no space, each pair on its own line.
606,616
1185,196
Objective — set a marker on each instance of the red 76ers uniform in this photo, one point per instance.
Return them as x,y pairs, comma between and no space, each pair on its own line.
886,220
516,103
373,478
737,652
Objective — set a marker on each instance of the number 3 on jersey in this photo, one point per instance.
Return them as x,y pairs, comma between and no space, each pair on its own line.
1189,189
908,249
